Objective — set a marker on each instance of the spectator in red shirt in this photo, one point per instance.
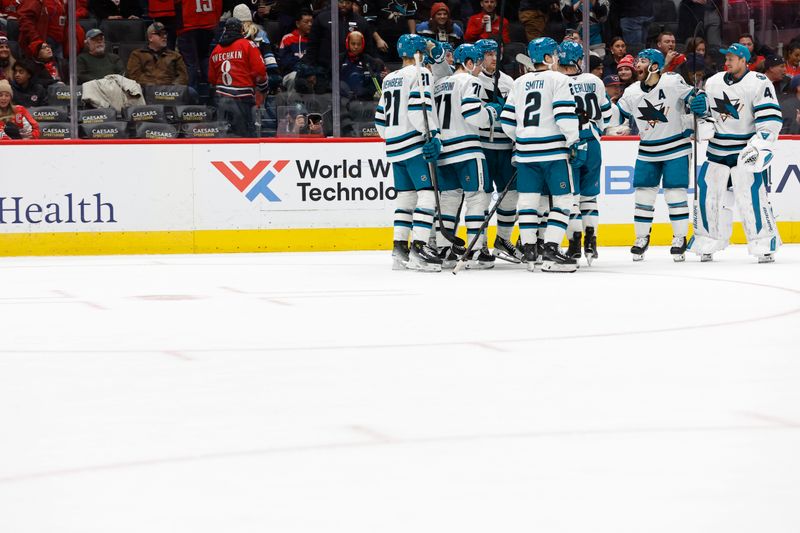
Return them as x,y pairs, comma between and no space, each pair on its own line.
46,20
15,121
666,45
197,20
793,59
487,19
235,69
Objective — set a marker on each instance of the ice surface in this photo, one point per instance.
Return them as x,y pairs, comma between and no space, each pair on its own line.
326,393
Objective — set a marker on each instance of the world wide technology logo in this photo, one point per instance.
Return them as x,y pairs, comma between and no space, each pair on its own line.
259,176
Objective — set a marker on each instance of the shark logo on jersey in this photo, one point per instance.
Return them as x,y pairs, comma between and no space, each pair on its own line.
653,114
726,107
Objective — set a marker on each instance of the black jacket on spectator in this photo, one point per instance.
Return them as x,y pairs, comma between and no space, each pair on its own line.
782,90
689,15
34,95
634,8
789,108
103,9
319,41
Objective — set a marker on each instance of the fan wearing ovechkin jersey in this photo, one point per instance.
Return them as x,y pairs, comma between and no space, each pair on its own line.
657,103
462,165
400,117
539,115
741,119
594,114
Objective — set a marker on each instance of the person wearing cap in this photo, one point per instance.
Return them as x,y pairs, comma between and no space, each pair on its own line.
791,108
775,71
155,64
27,91
595,65
15,121
7,59
256,34
94,62
613,87
235,69
440,26
744,122
45,20
625,71
115,9
486,24
49,69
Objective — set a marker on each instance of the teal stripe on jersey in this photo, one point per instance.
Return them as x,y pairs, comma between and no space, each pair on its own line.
404,137
540,140
663,141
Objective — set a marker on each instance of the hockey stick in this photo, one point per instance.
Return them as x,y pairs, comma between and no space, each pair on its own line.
698,27
463,259
446,233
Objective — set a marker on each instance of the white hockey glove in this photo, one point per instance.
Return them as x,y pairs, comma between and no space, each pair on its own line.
705,129
757,155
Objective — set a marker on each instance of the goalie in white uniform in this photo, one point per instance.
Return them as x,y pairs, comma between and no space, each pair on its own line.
658,105
462,166
740,108
400,120
594,113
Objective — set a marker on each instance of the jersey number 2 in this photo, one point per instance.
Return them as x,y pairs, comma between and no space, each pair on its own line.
532,104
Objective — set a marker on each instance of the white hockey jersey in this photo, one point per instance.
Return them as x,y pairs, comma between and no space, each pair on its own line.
740,109
499,140
660,114
592,104
539,116
399,116
460,116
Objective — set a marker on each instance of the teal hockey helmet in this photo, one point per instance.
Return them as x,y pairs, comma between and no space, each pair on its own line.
653,56
409,44
543,46
465,52
570,53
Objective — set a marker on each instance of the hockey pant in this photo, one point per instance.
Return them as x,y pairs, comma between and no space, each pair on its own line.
713,214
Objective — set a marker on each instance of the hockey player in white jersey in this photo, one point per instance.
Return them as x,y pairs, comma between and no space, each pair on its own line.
745,118
497,148
462,165
539,115
594,113
399,119
658,105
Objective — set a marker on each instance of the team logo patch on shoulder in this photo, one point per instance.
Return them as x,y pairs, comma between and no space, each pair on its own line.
726,107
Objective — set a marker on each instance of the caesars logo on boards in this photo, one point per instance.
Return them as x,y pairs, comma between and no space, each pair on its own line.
348,181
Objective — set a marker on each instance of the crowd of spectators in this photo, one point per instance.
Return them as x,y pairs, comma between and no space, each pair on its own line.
294,39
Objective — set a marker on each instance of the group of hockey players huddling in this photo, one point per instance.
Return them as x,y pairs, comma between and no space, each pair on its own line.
455,133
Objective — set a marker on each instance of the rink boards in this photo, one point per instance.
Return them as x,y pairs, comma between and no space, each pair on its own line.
131,197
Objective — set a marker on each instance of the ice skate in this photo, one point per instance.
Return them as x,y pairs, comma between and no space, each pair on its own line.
639,247
766,258
554,261
481,260
449,259
423,258
400,255
706,258
503,249
529,256
678,250
574,249
539,251
590,245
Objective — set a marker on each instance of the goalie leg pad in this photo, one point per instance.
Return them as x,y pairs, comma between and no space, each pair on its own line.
450,201
678,207
404,214
645,198
528,206
423,215
756,212
713,217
